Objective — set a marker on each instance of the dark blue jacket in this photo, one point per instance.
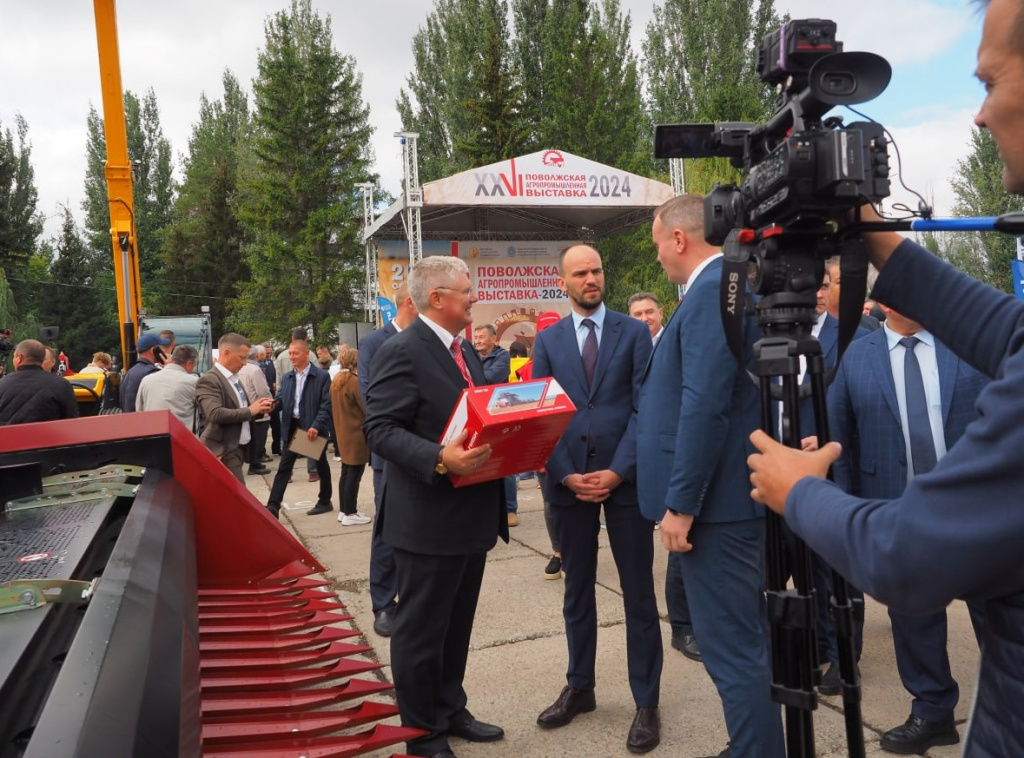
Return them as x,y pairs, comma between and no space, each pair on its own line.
957,531
602,433
314,407
368,348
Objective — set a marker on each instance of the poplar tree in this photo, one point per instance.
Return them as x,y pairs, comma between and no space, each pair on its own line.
297,202
463,96
20,221
201,255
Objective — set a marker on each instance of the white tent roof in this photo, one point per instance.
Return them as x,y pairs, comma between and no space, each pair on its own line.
549,194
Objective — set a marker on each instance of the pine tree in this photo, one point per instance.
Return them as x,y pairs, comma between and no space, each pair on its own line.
201,256
297,202
74,303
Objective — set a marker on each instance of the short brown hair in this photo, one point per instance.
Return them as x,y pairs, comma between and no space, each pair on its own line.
684,212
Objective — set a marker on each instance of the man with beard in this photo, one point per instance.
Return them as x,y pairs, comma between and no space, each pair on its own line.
598,357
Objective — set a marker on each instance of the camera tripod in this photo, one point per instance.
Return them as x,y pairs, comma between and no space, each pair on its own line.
786,319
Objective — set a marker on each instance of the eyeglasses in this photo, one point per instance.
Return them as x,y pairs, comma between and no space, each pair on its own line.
468,292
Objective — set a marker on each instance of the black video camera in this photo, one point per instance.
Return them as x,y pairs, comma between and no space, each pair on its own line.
799,172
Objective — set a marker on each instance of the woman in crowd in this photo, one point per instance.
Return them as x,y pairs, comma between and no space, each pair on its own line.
347,408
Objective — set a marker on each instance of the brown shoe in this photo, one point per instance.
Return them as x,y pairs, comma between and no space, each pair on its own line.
645,732
513,519
569,704
314,477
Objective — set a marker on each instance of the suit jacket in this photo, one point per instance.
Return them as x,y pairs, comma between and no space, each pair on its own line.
218,402
414,386
368,348
865,417
314,407
697,408
602,433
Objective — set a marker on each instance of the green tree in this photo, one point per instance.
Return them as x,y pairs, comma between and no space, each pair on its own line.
73,302
297,202
978,187
20,222
700,59
153,186
463,96
201,255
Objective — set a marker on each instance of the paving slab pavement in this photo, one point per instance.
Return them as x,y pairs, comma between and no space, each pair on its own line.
518,654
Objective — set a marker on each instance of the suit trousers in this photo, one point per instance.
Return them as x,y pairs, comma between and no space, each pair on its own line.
923,661
632,544
382,558
258,444
724,585
284,473
430,641
675,598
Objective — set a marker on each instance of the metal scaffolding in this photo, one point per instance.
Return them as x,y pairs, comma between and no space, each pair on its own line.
372,275
413,195
677,175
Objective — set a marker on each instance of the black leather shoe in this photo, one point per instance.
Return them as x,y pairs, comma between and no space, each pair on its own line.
830,682
569,704
319,508
472,730
383,624
645,732
258,471
274,511
687,645
917,735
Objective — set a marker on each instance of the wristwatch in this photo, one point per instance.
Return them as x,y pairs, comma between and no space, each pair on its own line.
440,468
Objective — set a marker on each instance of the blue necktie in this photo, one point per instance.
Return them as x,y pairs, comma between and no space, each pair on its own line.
922,444
590,351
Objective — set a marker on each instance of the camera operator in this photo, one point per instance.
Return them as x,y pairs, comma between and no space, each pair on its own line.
956,531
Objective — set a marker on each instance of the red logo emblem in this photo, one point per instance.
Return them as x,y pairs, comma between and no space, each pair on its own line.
553,158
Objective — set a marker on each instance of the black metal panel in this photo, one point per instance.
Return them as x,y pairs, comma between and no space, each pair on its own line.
129,685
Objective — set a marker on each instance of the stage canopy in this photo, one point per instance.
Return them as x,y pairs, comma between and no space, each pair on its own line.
547,195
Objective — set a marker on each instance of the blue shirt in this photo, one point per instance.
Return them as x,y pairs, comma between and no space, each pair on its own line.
581,331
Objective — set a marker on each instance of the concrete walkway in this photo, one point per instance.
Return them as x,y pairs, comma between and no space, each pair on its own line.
518,657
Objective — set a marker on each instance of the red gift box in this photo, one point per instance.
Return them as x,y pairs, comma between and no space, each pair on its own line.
522,422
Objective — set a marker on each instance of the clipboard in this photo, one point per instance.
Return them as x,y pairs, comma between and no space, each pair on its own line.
301,445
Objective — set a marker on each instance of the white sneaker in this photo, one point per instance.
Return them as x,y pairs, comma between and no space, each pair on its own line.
353,519
337,459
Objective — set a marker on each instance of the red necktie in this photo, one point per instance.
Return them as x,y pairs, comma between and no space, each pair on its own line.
460,361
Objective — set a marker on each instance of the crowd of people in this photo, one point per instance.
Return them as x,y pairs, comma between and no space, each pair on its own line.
665,446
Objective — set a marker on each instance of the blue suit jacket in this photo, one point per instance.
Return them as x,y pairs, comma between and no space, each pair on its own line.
865,418
602,433
314,407
697,408
368,348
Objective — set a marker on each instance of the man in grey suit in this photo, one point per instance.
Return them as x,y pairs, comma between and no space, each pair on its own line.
878,415
225,407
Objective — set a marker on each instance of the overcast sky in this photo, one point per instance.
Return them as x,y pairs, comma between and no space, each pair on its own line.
180,49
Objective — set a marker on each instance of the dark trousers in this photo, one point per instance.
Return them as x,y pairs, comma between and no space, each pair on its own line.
258,443
630,536
382,559
348,486
275,431
430,642
725,588
284,473
675,598
923,662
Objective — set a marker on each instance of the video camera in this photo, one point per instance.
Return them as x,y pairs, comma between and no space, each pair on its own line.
799,172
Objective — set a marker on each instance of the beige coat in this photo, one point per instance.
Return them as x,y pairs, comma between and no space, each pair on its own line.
347,409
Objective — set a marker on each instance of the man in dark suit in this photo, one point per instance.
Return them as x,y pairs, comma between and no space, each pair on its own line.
440,535
32,394
867,322
382,562
871,414
305,399
696,408
225,407
597,356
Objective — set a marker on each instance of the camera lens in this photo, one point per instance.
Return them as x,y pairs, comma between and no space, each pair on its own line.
839,83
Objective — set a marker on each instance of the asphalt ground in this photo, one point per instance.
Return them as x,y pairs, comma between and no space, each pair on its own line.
518,655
